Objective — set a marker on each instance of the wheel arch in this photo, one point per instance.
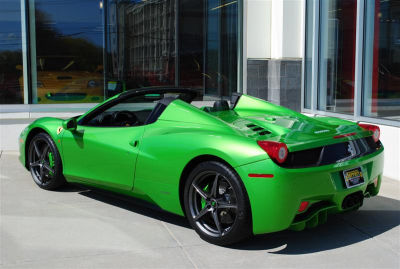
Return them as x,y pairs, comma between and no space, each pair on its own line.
28,140
192,164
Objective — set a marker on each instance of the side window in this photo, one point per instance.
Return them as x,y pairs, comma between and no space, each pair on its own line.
129,112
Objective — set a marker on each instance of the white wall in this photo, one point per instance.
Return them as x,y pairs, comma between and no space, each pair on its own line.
9,133
390,137
274,29
293,29
259,29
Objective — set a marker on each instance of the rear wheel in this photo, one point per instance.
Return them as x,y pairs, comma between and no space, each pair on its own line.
45,162
216,204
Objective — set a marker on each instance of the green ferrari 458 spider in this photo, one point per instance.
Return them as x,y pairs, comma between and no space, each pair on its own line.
248,167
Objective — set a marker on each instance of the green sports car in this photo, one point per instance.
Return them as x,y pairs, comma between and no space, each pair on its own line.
248,167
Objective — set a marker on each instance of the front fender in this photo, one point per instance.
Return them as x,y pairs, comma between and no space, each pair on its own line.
52,126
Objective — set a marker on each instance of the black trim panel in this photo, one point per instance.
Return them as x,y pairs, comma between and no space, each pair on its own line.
330,154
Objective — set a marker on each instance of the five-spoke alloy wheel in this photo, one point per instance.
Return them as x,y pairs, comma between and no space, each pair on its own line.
44,162
216,204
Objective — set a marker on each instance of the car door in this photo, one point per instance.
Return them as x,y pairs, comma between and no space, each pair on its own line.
104,147
102,155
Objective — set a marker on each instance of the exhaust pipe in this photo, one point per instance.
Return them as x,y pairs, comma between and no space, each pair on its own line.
353,200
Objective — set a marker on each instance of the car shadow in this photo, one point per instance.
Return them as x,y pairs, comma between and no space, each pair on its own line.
378,215
71,188
136,206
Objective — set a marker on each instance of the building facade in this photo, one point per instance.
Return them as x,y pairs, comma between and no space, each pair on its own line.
321,57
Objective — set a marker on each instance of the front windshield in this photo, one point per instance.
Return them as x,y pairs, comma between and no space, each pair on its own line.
129,111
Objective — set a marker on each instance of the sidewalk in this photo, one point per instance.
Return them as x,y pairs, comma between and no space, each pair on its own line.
77,228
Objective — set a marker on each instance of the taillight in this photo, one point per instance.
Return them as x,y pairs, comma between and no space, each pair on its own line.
276,150
376,132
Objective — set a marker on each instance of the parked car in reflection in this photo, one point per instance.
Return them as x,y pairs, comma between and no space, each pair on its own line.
64,79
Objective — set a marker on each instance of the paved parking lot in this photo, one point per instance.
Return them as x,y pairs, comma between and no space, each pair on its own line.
78,228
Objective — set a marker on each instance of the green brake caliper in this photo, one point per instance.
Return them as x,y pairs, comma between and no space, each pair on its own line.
51,162
203,201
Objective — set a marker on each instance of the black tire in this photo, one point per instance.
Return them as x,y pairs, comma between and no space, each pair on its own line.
215,195
45,163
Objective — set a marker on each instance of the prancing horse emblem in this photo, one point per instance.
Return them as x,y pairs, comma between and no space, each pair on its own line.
351,150
59,130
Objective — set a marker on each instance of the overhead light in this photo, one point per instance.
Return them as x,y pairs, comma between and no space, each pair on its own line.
101,4
224,5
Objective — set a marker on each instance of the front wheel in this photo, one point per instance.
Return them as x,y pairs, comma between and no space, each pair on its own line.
216,204
45,162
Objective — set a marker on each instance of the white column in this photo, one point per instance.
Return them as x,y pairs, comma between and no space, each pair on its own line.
258,29
287,28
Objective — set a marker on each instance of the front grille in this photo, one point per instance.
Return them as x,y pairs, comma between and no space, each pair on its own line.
330,154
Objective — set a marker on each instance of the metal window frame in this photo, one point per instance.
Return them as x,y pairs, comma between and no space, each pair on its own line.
242,48
25,39
31,32
177,44
105,47
315,57
359,69
303,56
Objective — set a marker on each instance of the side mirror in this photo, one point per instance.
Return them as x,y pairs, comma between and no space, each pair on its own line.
70,124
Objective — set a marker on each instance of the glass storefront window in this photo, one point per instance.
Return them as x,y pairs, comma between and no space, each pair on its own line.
69,51
85,51
11,82
191,43
229,45
381,91
221,47
141,44
182,43
337,55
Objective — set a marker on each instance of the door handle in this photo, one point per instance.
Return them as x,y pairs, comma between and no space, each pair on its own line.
134,143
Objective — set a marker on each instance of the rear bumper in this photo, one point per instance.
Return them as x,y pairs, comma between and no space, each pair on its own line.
275,201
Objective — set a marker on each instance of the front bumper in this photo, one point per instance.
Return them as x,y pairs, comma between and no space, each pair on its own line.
21,146
275,201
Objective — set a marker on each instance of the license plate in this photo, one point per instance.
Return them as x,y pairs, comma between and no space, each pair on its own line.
353,177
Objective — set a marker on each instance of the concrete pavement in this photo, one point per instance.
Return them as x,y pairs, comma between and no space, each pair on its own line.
78,228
